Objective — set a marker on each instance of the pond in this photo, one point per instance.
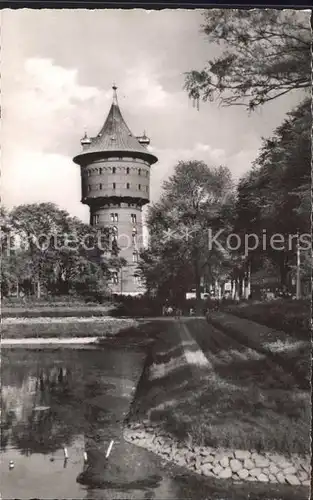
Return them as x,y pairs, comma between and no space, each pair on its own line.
76,399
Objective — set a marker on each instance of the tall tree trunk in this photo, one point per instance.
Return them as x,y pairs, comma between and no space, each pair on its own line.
38,290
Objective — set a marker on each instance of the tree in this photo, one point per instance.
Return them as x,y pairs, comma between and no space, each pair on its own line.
275,195
194,200
56,252
265,53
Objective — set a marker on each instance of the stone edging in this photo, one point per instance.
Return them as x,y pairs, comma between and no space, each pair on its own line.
238,465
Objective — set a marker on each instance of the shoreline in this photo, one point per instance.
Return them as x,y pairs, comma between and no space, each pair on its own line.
220,463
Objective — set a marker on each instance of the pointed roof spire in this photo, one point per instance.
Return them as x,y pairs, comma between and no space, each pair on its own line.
115,136
114,88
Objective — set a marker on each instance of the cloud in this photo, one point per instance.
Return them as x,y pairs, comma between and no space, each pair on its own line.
38,177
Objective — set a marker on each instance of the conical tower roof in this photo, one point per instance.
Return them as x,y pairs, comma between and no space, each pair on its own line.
115,137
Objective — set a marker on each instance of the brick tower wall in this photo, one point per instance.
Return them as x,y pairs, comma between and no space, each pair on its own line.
113,204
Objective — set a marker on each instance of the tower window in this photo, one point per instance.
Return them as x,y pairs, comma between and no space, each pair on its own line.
114,185
127,170
139,171
134,239
139,187
100,186
133,218
127,185
95,219
100,171
113,170
114,217
135,256
137,280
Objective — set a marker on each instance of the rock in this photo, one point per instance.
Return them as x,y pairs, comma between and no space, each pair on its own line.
180,460
306,483
272,478
242,454
224,462
243,473
290,470
280,478
198,463
306,466
225,474
249,464
273,469
206,468
261,461
281,461
262,478
302,475
235,465
285,465
255,472
249,478
217,469
293,480
208,459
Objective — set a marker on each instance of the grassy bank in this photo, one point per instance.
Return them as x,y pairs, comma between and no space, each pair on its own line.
65,327
290,316
53,307
240,401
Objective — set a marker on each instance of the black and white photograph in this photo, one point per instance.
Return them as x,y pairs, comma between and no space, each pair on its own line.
156,255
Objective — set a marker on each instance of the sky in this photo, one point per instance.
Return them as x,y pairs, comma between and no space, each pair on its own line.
57,71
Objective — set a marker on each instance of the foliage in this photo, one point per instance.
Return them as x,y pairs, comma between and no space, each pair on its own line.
195,199
274,197
265,53
44,248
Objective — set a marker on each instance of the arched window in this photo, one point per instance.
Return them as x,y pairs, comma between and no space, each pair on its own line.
139,187
114,185
127,185
113,170
139,171
135,256
127,170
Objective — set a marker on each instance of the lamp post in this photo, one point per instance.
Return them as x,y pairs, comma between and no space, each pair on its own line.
298,278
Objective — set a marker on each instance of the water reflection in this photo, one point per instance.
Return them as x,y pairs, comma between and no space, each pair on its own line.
77,399
73,399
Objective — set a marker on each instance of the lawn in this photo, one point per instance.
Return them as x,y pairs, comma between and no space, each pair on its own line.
64,327
241,401
53,307
290,316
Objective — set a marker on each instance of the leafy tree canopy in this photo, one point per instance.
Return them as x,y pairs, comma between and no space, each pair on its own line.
265,53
